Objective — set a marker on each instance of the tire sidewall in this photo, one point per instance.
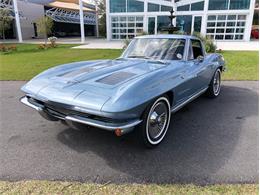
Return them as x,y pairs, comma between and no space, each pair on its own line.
148,141
213,92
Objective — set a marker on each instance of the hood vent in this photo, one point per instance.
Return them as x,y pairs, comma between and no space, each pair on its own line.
76,72
116,78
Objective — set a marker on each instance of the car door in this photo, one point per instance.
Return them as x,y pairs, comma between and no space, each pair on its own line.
192,77
199,67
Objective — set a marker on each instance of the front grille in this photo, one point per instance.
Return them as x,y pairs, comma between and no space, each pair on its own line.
61,111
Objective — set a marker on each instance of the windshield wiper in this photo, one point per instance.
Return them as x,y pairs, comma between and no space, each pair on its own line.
158,61
147,58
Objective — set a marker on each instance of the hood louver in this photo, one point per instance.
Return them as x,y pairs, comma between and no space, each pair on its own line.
116,78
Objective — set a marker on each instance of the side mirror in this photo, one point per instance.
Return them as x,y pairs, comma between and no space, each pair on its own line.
200,59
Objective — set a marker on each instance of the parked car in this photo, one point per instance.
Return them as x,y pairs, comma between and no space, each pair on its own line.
255,33
155,76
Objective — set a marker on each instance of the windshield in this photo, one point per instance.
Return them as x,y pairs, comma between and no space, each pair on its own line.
156,49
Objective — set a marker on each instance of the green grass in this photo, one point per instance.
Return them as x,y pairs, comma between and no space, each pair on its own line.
50,187
28,61
241,65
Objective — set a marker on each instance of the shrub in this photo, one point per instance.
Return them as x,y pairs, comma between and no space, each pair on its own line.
210,46
7,48
53,41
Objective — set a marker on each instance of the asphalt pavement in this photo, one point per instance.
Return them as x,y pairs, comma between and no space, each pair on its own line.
209,141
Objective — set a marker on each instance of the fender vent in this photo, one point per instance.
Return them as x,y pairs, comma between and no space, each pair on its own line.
116,78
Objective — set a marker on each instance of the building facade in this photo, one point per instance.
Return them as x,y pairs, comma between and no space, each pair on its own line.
64,13
224,20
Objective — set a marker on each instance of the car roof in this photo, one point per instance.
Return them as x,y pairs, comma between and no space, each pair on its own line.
167,36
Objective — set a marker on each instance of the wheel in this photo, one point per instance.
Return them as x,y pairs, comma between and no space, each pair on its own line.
215,85
156,119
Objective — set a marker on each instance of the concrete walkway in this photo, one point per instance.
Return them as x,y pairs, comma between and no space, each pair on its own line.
102,43
238,45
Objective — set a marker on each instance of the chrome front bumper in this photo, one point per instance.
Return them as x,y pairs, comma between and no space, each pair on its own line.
124,127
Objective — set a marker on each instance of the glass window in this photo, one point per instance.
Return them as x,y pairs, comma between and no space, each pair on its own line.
135,6
240,30
153,7
222,17
219,37
229,37
165,8
239,4
117,6
197,6
232,17
241,17
197,23
156,49
218,4
162,21
184,22
230,30
151,25
221,24
211,24
241,23
126,27
231,23
212,17
211,30
239,37
183,8
220,30
196,49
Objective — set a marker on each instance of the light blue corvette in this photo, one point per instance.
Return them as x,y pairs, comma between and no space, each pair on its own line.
156,75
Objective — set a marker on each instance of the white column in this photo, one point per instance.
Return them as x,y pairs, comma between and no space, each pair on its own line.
145,23
17,21
97,30
204,18
175,13
108,25
249,21
82,31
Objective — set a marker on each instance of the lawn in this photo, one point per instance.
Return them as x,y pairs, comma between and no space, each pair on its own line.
50,187
28,61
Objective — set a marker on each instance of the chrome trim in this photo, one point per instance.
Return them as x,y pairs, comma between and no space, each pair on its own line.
25,101
103,125
178,107
83,120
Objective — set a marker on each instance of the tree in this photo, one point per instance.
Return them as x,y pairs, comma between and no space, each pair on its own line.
5,21
44,27
101,9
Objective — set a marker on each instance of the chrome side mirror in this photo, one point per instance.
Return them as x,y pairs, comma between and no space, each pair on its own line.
200,59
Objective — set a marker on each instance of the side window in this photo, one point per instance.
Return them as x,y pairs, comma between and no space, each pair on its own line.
196,49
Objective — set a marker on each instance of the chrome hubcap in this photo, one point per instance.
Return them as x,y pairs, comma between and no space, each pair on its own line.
157,120
216,83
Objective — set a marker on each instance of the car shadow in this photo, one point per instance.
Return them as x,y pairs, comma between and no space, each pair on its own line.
201,138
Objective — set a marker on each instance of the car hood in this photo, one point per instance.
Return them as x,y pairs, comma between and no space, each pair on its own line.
88,84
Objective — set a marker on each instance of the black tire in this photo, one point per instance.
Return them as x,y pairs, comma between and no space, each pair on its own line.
215,85
162,104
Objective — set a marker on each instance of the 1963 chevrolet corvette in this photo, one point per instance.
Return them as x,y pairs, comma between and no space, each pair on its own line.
155,76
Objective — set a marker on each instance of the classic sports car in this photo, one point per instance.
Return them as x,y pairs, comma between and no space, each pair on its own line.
155,76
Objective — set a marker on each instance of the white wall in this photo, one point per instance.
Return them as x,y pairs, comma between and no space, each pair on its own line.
31,12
